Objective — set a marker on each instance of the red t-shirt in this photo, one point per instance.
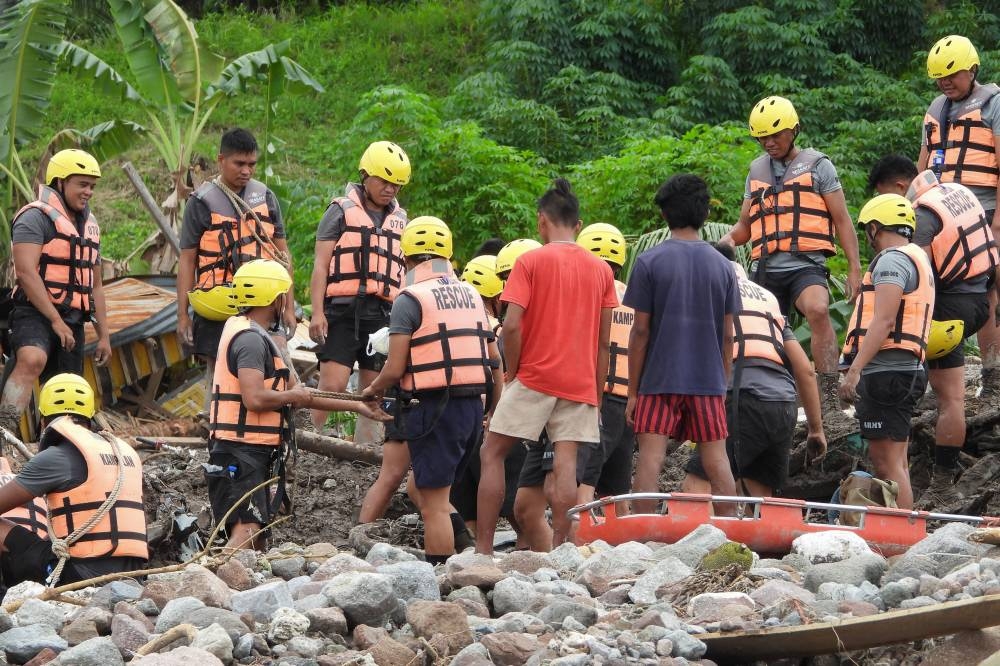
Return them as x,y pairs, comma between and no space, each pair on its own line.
562,288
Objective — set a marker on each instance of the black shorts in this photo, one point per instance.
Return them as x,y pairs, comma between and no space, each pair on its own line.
342,346
465,489
540,458
886,401
609,467
29,557
206,335
448,434
787,286
760,453
972,309
243,467
30,328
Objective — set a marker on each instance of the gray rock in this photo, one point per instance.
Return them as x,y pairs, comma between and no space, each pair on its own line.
228,620
262,601
686,646
182,656
693,547
774,591
329,621
22,643
412,580
470,592
35,611
285,624
667,570
115,591
519,623
94,652
664,647
243,647
570,623
365,598
383,553
918,602
851,571
558,608
566,557
305,646
215,640
128,634
147,607
472,655
831,546
198,582
898,591
6,621
177,611
719,605
312,602
569,588
288,567
513,594
937,554
338,564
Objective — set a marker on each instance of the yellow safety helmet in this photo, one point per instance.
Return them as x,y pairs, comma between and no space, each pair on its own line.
889,210
67,393
944,337
481,273
605,241
71,162
771,115
509,253
215,304
259,282
951,54
387,161
426,235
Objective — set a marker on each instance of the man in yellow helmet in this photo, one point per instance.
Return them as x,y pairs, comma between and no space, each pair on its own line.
952,229
793,213
959,144
442,351
79,473
252,393
358,268
228,221
57,263
887,338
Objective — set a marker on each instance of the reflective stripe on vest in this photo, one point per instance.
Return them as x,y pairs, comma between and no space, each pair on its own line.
790,216
449,348
970,154
622,318
67,262
965,248
229,418
122,531
366,260
30,516
913,319
229,240
759,326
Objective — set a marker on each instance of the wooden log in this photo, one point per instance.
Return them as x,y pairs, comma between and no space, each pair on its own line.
337,448
154,209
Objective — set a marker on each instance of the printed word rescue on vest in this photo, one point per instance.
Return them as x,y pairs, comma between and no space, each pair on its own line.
958,201
453,297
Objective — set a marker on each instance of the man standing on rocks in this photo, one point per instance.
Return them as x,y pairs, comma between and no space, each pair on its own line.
556,339
249,417
685,295
82,475
56,249
443,352
887,338
953,230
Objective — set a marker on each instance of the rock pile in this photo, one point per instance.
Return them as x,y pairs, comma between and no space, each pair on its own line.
595,604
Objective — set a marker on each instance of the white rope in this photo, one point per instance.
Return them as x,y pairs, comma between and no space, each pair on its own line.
241,206
60,547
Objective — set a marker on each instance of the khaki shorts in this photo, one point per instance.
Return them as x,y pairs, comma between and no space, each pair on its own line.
524,413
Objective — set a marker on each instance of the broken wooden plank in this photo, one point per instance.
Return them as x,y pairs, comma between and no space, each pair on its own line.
150,203
857,633
306,440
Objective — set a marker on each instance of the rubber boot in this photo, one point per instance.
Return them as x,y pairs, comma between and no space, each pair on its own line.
835,422
941,496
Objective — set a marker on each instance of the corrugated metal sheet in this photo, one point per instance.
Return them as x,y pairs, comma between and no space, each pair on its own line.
133,303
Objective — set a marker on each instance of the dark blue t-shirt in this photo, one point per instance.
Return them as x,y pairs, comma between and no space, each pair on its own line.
688,288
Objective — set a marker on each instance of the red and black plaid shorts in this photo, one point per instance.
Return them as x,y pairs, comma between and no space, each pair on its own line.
698,418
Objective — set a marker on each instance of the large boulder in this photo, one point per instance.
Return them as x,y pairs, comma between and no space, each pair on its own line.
262,601
365,598
937,554
665,571
22,643
412,579
852,571
513,594
94,652
440,621
200,583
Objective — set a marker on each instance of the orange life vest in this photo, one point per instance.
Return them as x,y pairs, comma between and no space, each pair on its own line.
965,248
622,318
230,239
30,516
970,152
122,531
759,326
68,261
913,319
229,418
449,348
790,216
366,260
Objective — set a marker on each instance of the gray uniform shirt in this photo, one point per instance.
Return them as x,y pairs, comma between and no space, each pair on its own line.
766,380
251,351
826,180
896,268
35,228
930,225
991,118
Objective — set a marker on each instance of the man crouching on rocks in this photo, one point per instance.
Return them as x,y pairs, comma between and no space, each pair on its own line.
253,394
91,484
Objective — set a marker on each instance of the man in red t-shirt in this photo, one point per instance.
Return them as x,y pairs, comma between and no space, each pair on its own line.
556,342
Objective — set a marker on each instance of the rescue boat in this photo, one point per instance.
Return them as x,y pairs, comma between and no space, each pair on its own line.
767,525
